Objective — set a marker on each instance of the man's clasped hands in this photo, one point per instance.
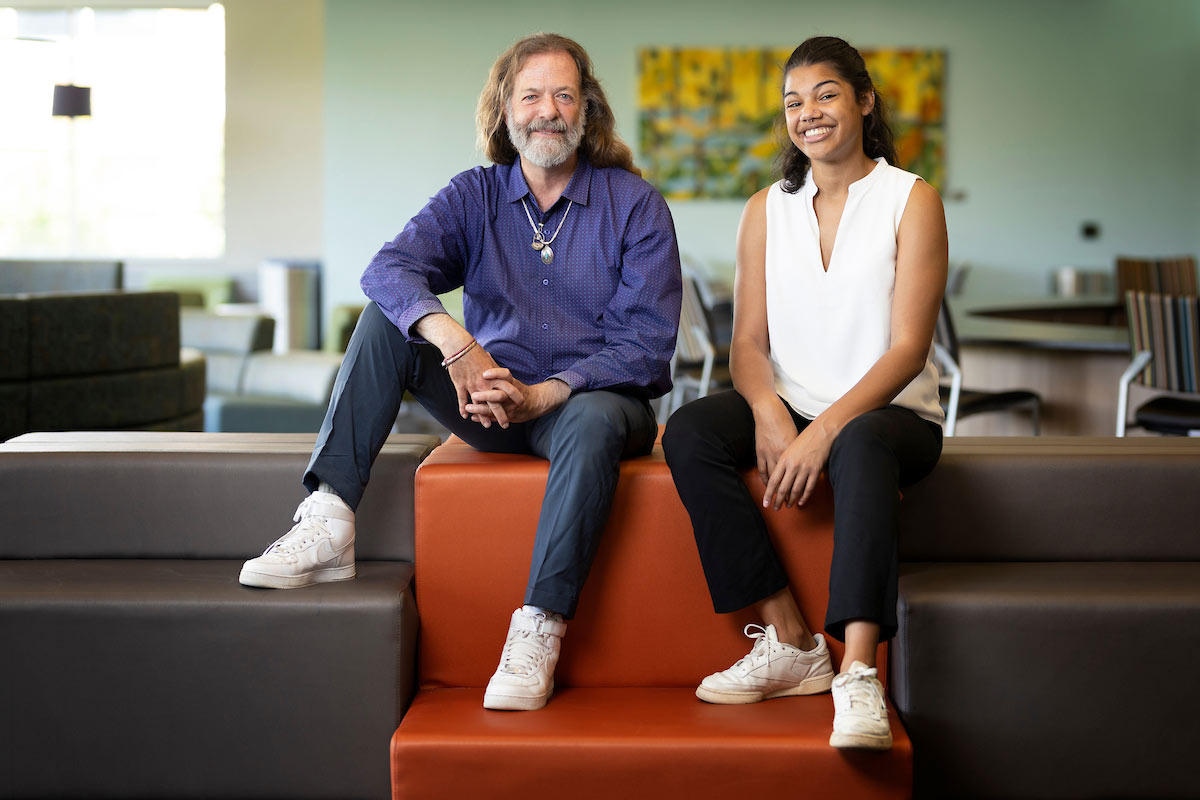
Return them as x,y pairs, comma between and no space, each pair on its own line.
489,393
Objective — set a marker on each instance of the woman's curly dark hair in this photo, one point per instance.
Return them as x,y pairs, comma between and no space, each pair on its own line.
849,65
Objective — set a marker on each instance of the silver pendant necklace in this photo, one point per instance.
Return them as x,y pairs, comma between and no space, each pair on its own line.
540,242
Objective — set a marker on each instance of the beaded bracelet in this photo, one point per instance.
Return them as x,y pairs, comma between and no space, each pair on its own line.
448,360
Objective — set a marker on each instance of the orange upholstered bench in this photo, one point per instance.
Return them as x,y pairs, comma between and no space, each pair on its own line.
624,720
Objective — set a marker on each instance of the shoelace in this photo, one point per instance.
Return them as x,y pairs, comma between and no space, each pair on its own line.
307,524
860,692
523,652
761,649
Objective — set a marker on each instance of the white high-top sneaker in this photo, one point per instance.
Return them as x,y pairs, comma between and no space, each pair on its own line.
319,548
771,669
524,680
860,717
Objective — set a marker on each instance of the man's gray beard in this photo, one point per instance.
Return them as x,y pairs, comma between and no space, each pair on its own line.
546,153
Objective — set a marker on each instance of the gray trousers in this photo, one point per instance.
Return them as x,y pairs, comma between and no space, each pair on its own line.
584,439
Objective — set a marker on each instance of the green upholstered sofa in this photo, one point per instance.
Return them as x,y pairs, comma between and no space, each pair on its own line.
96,361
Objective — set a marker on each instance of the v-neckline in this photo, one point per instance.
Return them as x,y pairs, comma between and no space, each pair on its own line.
816,221
837,234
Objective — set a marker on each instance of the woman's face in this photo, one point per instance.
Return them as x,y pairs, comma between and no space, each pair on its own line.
824,118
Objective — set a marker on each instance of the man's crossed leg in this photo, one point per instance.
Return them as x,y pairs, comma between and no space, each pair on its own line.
583,439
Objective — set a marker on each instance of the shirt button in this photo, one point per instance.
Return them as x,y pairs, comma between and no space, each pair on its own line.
544,326
545,281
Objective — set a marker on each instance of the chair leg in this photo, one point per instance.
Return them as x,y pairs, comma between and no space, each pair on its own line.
1036,413
1140,360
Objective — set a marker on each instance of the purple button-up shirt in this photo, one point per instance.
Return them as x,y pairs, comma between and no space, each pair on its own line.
603,315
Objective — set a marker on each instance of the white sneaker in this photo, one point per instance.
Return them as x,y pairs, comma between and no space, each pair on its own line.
771,669
524,680
319,548
860,717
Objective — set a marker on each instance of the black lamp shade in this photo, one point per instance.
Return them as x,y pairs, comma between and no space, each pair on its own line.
72,101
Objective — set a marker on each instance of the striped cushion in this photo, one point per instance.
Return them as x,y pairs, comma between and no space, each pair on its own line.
692,345
1168,326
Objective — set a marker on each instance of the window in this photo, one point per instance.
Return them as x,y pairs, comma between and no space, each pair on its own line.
143,176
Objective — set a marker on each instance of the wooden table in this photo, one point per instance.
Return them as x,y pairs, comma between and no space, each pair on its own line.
1070,350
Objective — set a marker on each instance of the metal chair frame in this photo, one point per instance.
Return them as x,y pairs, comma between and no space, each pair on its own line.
691,348
945,353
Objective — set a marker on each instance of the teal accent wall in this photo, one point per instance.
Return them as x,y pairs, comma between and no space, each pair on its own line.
1058,111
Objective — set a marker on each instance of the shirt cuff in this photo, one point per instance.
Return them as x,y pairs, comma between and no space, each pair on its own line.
411,315
571,378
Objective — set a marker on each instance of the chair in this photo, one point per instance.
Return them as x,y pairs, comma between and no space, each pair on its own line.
1164,337
716,299
960,403
1175,276
692,364
956,279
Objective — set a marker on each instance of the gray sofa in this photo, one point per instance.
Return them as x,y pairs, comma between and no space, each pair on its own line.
60,276
1050,619
134,663
250,388
96,361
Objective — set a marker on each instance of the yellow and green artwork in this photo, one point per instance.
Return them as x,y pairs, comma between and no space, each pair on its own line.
706,116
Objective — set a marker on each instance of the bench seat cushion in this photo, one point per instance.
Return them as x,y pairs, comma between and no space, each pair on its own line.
1056,499
160,495
606,743
645,617
202,687
1069,679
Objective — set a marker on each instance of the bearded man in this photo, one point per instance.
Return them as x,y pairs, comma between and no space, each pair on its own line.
571,292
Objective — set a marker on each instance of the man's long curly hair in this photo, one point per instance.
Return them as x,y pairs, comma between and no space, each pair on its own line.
601,144
848,63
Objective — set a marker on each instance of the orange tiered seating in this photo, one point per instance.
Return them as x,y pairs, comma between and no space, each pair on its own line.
624,719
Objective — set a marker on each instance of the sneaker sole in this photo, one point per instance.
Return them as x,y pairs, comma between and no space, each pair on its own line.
508,702
815,685
265,580
861,741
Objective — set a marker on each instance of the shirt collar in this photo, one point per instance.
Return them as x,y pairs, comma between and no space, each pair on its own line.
577,191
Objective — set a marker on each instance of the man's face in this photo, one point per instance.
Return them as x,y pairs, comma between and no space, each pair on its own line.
545,114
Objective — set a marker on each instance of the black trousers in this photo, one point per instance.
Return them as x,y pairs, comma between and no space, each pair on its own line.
709,442
584,440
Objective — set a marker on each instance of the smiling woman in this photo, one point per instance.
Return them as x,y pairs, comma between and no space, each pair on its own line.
840,269
143,175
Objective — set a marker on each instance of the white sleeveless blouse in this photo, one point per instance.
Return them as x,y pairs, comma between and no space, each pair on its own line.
827,329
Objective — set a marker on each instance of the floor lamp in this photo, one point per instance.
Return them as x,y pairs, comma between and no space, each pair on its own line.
73,101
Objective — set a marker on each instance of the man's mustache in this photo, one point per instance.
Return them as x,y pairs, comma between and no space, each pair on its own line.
556,125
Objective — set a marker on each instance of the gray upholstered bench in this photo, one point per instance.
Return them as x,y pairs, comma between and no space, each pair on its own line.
135,664
1050,619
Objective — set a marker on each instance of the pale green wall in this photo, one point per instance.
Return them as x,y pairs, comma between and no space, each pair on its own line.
1058,111
274,68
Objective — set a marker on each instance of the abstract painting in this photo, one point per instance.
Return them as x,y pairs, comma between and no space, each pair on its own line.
706,116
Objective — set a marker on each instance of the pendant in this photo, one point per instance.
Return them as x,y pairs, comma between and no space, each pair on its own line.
547,254
538,244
